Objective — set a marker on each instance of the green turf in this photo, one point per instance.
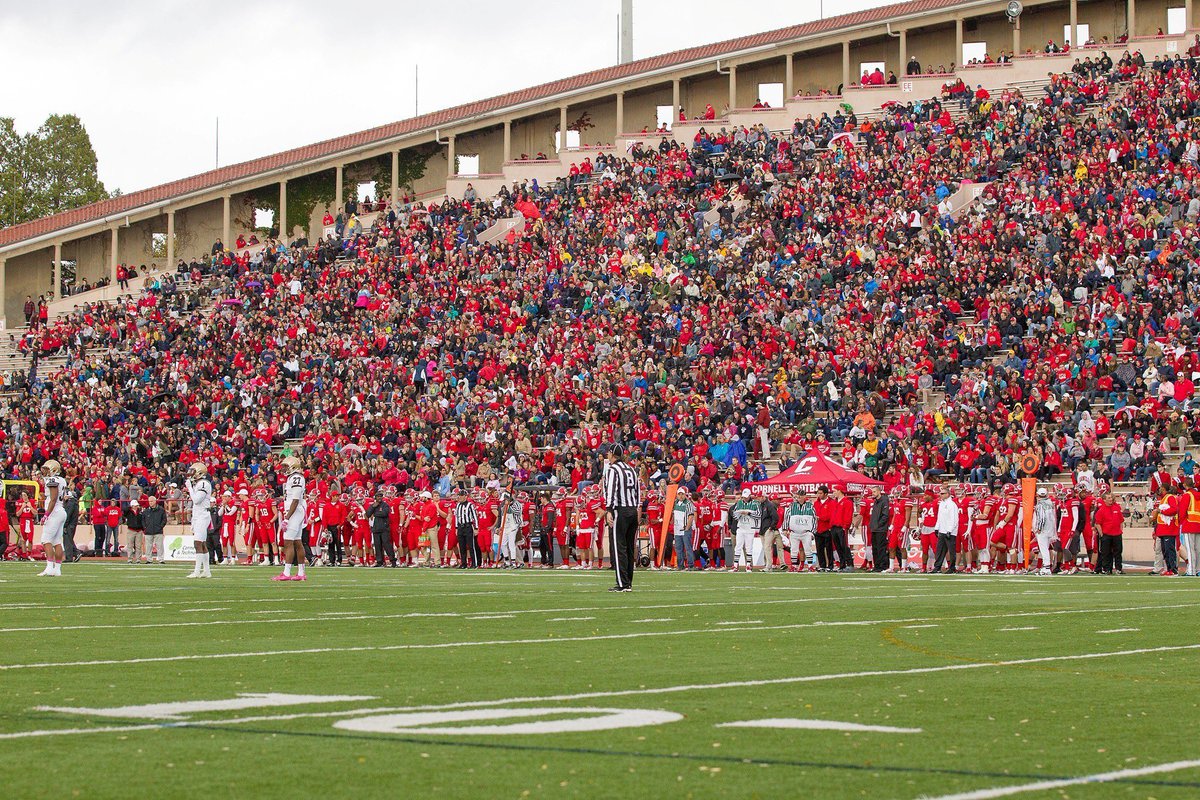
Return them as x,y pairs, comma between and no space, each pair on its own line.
982,727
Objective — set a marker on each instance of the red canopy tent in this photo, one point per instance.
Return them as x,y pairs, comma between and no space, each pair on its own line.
812,471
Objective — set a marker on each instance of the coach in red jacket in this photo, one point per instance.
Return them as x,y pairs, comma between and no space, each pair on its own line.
1110,522
842,518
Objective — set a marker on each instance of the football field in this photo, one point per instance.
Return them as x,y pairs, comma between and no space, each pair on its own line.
132,681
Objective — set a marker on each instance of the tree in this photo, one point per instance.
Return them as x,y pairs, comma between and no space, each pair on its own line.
50,170
12,173
63,166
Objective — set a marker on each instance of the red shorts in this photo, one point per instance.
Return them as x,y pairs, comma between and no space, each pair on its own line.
395,532
264,534
27,530
1005,536
583,539
929,542
314,534
362,536
980,535
484,538
964,542
448,540
228,534
412,538
1089,540
896,538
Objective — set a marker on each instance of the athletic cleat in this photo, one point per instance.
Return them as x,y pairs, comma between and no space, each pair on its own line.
282,577
298,578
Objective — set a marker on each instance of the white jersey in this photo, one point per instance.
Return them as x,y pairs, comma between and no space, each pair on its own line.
58,482
201,494
294,490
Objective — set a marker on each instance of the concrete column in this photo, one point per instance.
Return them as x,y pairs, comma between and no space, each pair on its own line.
900,73
283,231
112,255
337,189
562,128
1074,14
789,78
620,115
1131,17
451,157
395,195
507,140
732,87
170,239
675,100
1187,15
845,64
958,41
1016,45
56,272
225,203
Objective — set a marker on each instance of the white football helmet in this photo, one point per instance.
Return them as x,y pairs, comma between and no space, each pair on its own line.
291,465
52,467
198,470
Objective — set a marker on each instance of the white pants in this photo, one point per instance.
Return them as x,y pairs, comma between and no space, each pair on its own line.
1191,544
294,529
744,545
764,441
52,528
508,542
200,522
1043,543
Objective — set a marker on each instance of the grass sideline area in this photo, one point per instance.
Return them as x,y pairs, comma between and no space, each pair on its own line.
352,685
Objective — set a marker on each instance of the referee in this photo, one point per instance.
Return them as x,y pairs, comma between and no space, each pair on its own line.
466,522
622,499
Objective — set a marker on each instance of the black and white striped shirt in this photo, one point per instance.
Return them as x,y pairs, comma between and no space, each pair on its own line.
621,488
465,514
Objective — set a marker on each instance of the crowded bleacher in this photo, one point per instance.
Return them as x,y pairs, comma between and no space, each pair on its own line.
728,303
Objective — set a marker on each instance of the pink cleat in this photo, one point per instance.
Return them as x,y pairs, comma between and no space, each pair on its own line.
282,577
298,578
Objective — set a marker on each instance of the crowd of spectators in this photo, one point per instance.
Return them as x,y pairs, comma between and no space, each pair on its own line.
720,302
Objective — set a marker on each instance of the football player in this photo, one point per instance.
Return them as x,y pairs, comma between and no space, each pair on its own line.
54,488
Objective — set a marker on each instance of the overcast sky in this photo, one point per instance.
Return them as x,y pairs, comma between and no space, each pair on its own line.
150,77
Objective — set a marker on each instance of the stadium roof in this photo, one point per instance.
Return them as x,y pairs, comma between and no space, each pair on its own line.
133,201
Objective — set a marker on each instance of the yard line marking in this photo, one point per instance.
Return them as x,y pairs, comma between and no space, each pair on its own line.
744,622
1023,628
1120,630
270,611
835,676
660,619
181,710
549,639
1100,777
914,627
816,725
492,616
313,595
202,610
570,619
475,614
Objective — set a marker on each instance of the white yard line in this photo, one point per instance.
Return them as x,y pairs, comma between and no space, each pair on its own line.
569,619
546,639
1041,786
1120,630
683,688
1023,628
573,609
816,725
